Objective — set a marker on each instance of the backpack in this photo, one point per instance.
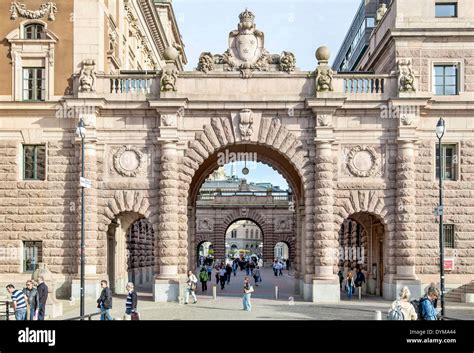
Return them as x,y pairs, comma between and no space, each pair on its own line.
396,314
417,304
203,276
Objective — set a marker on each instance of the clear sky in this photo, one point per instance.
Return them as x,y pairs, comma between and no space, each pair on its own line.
298,26
258,173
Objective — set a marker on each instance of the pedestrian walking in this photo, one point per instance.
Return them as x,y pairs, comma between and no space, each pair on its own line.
288,265
203,277
349,285
32,300
280,268
43,297
104,303
427,309
256,275
131,302
247,268
191,288
402,309
19,302
248,289
234,267
209,272
341,279
275,268
222,276
228,270
218,268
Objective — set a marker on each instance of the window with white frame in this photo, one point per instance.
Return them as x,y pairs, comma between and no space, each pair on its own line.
33,62
446,79
34,83
449,153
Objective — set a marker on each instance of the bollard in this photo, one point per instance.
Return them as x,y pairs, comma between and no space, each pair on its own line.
276,292
378,315
360,293
214,292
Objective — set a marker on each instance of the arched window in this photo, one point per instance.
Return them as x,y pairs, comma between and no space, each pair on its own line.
35,31
247,233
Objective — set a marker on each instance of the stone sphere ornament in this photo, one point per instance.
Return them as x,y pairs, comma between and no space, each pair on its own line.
171,53
323,54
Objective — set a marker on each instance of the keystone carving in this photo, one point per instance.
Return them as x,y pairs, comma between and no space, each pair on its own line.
246,124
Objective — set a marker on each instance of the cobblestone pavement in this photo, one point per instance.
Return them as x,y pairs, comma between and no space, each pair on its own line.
228,305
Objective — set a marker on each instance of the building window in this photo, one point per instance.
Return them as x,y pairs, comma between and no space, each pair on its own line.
448,235
33,84
32,255
446,10
34,31
449,162
246,233
446,80
370,22
34,162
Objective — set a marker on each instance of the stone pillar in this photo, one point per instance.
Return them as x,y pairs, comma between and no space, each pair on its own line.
405,228
120,259
325,282
92,278
166,286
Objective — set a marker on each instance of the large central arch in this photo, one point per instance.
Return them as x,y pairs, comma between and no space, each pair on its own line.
274,145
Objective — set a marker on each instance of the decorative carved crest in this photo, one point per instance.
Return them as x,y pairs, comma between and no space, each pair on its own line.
128,161
246,123
87,76
18,9
246,52
168,119
169,76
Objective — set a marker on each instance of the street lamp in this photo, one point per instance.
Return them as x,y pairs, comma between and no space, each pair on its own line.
440,130
81,132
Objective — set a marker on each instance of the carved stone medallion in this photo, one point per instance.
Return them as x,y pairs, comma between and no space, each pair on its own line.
363,161
128,161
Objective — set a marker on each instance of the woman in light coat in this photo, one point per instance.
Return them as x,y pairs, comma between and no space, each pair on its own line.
407,308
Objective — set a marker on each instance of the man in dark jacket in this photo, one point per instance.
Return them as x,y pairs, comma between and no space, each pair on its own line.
33,299
43,297
105,301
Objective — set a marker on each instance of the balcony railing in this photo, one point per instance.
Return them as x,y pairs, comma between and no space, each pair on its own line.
244,197
363,85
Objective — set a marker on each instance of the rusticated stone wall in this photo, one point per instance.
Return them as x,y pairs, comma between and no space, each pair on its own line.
40,210
458,201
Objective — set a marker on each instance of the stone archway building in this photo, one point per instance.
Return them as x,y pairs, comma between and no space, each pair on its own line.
152,140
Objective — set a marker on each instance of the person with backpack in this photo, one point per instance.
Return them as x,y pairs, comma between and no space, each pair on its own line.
427,310
402,309
203,277
349,285
191,287
104,303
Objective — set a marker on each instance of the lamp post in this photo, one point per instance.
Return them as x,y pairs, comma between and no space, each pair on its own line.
440,130
81,132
